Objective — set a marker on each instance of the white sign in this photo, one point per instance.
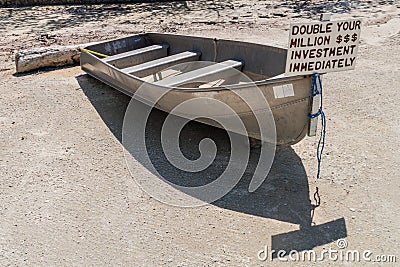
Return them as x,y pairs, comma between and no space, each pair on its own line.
323,46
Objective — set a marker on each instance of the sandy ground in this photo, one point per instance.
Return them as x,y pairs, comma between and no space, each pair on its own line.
68,199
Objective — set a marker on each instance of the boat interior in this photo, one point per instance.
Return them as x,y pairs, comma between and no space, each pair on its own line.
160,59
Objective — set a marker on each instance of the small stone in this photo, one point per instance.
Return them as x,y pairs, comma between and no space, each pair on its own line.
352,209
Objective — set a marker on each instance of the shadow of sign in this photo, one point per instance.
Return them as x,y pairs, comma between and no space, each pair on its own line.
283,196
321,234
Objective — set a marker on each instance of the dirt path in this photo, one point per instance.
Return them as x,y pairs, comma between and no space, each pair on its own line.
67,197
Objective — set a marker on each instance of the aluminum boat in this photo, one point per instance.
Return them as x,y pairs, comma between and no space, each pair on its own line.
127,63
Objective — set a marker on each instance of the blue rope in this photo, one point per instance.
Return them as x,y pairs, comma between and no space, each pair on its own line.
316,89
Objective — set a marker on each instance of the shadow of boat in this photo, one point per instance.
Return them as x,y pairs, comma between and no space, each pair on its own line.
283,196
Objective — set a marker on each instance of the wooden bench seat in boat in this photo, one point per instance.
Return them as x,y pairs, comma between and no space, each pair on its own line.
157,65
206,74
138,56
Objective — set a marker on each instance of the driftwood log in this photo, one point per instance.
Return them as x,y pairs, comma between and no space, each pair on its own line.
52,56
